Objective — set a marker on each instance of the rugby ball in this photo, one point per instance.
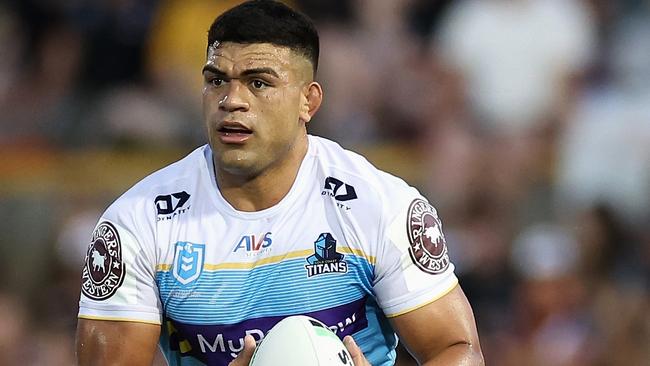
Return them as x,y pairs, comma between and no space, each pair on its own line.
301,341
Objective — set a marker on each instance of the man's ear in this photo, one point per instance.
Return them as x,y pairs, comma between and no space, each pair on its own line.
311,101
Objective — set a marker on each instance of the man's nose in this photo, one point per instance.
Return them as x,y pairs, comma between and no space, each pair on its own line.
234,98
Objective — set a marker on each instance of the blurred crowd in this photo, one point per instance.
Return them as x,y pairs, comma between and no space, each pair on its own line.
525,122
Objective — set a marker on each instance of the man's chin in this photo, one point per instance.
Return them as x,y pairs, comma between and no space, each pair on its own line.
236,163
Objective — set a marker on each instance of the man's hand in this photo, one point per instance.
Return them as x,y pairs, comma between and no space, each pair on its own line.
357,356
244,357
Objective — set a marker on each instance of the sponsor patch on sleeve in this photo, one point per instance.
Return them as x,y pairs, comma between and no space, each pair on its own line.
104,270
428,248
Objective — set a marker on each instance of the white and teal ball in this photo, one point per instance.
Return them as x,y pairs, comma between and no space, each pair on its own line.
301,341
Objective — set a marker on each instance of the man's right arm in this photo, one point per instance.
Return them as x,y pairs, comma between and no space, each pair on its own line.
108,343
119,308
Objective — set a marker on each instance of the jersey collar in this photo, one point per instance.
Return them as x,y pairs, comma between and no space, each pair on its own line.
208,176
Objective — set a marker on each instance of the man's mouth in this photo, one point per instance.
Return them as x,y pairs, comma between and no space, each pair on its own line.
234,133
234,130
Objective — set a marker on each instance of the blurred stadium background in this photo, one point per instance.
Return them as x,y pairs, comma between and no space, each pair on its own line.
526,122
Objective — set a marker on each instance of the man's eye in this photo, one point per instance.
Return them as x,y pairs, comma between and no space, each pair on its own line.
259,84
216,81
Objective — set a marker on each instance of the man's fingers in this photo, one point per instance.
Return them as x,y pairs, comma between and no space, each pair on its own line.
357,356
249,348
244,357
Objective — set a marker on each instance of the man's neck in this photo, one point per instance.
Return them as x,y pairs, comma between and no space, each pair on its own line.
263,190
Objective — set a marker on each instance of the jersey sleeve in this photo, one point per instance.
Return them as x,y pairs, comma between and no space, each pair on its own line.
413,267
118,278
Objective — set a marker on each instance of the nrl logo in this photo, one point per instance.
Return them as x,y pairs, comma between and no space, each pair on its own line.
188,262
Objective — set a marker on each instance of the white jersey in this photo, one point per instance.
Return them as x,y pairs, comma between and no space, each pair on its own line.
349,245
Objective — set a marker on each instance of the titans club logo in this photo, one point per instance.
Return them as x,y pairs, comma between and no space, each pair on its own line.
428,248
325,258
104,271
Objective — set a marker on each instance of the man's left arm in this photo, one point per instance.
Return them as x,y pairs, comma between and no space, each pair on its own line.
442,332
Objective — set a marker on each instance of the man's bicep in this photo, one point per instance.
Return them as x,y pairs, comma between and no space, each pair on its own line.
102,342
444,330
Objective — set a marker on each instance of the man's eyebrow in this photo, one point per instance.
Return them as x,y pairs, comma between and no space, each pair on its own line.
212,69
248,72
260,70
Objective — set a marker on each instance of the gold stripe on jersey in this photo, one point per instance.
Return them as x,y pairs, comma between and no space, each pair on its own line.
117,319
359,253
274,259
442,294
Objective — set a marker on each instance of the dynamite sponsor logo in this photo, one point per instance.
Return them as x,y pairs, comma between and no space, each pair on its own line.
341,192
428,248
104,271
169,206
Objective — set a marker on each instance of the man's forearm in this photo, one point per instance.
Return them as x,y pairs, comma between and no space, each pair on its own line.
459,354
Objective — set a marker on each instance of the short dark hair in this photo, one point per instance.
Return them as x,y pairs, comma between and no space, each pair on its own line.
267,21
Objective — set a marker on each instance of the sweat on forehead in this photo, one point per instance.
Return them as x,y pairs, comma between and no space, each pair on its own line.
232,58
216,45
256,52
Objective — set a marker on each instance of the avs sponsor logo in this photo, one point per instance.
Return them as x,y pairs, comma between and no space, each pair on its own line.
252,245
104,271
325,258
428,248
220,344
341,192
169,206
188,262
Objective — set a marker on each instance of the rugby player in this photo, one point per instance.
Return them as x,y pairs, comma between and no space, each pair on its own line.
203,257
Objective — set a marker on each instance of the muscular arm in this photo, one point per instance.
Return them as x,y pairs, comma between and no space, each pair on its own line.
442,332
113,343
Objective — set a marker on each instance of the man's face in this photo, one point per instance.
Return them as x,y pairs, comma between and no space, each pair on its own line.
253,97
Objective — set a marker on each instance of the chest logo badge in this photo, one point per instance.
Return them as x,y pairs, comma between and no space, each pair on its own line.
325,258
188,261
